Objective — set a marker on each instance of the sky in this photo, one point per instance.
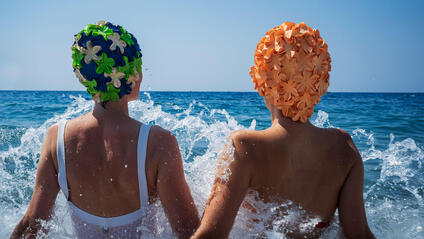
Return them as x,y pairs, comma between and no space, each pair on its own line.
375,46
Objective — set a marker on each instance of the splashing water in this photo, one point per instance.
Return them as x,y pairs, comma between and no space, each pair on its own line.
393,193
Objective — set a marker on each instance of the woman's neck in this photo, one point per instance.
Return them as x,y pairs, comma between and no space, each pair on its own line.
119,107
277,118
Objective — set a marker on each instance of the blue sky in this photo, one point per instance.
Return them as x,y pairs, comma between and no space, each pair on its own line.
376,46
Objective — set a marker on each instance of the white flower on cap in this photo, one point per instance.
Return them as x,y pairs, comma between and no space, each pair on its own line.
117,42
116,76
90,53
80,77
101,22
133,78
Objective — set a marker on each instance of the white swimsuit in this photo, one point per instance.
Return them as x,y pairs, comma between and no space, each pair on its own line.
87,225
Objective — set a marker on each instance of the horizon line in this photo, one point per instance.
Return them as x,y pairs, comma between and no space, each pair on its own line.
229,91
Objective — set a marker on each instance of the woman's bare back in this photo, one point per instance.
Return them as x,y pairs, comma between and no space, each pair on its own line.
101,171
306,166
101,163
318,170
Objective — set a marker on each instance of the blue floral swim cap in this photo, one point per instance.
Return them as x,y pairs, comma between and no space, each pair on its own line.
106,60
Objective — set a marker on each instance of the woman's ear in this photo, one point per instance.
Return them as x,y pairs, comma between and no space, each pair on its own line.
136,89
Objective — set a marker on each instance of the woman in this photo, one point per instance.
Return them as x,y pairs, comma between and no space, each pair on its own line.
108,165
316,170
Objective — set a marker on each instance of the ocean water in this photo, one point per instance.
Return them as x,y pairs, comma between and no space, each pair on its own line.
388,130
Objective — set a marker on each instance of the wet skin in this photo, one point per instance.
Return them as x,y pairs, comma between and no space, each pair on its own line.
319,170
101,166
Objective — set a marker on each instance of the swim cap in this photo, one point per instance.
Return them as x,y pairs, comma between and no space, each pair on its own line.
291,69
106,60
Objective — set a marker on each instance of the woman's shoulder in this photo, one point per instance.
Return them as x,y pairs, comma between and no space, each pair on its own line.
159,134
161,139
240,137
340,137
342,146
247,142
247,136
333,136
162,148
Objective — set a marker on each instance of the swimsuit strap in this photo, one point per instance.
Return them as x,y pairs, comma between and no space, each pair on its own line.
142,182
60,150
141,164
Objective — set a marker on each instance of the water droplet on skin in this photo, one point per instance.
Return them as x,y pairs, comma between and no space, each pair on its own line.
126,166
80,194
132,141
111,179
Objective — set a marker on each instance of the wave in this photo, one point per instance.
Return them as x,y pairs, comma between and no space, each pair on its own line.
394,181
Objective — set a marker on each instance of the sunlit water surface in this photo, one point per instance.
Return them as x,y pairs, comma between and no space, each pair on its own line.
387,128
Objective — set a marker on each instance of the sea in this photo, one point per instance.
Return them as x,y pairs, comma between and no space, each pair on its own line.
387,128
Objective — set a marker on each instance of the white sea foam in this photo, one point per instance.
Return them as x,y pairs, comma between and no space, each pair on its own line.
394,200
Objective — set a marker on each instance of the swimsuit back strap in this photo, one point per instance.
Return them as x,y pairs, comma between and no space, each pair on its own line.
60,149
141,164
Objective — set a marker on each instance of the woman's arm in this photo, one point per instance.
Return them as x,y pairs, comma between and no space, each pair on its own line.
173,190
226,196
45,190
351,203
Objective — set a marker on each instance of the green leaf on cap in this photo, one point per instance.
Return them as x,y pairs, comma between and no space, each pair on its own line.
126,37
111,94
138,62
128,69
77,57
89,28
102,30
90,86
105,64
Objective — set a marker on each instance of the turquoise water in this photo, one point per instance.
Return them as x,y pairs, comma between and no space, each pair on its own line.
387,128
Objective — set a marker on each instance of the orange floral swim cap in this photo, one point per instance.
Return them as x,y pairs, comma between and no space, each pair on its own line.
291,69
